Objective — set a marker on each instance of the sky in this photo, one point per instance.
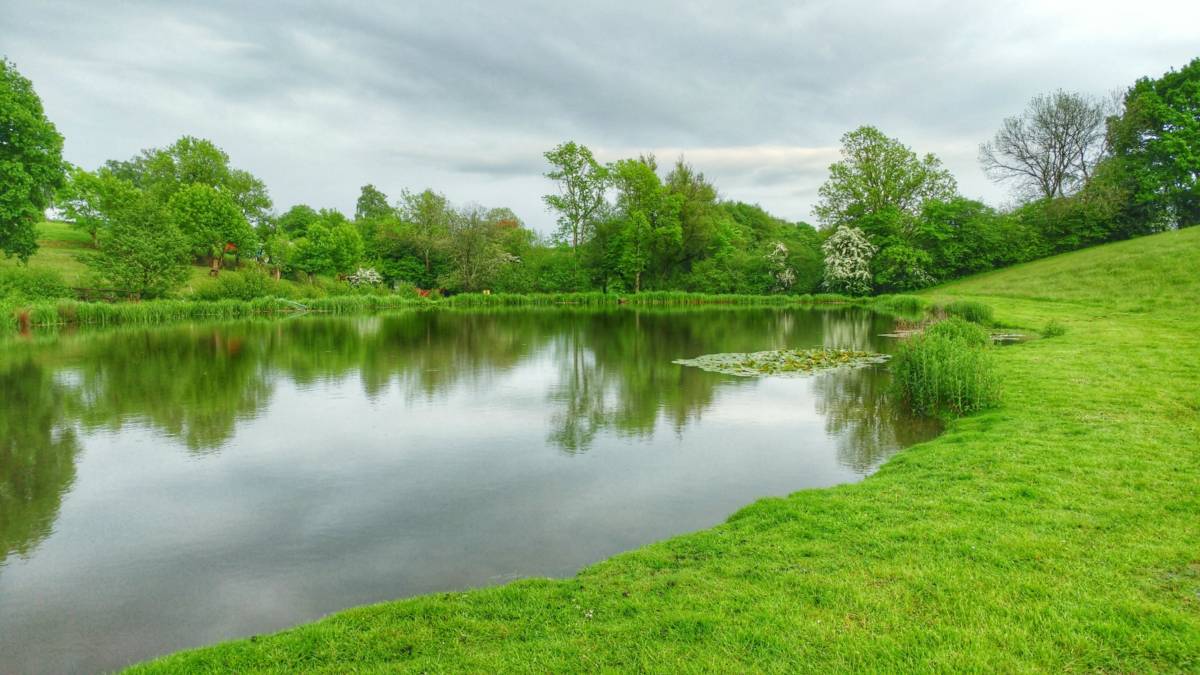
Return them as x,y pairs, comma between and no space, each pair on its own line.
320,98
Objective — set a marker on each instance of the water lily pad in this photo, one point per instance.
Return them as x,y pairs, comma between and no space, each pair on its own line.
789,362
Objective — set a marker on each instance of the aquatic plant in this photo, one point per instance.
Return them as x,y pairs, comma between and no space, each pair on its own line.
947,370
783,361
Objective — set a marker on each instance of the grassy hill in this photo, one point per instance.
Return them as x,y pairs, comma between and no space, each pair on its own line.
62,248
1059,532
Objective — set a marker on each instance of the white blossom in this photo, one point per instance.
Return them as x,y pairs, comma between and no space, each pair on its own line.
848,261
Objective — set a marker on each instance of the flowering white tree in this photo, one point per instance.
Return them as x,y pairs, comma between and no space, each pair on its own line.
848,261
781,272
365,276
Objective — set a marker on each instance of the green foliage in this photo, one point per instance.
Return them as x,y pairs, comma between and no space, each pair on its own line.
647,226
163,172
212,223
901,267
324,250
32,284
877,173
250,283
1156,146
31,165
580,200
948,370
295,221
372,204
970,310
142,251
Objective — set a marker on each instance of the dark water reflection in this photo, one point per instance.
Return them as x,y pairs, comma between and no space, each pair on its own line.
170,487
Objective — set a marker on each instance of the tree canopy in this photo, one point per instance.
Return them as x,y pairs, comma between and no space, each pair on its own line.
877,172
31,164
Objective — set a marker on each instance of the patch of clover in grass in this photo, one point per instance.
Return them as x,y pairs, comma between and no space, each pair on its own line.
789,362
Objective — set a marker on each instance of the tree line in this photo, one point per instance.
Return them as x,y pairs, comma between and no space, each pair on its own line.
1085,171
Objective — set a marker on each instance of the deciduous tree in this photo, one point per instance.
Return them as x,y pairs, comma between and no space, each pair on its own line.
1051,149
31,165
582,182
877,172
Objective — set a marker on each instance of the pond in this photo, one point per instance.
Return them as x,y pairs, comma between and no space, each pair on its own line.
169,487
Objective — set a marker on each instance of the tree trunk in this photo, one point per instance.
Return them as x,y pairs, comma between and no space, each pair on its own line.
637,281
276,273
214,266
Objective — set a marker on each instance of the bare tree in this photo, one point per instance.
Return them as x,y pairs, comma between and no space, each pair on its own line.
1052,148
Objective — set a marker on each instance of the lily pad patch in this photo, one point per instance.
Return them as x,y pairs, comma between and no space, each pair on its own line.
790,362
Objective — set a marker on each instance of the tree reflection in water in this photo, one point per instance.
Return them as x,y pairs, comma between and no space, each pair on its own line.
608,370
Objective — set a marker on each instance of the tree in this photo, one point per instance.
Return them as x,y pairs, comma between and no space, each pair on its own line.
372,204
474,248
582,183
142,251
31,164
428,215
1156,145
328,250
345,248
295,221
848,261
88,198
649,218
278,250
212,223
698,212
162,172
877,172
1052,148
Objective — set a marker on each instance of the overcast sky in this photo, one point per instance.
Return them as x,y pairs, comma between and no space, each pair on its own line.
464,97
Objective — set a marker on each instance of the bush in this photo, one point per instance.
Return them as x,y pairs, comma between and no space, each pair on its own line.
32,284
976,312
1053,329
248,284
948,370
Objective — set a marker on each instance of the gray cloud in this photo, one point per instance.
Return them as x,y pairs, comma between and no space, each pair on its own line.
464,97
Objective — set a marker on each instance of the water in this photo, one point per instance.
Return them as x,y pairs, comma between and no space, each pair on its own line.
170,487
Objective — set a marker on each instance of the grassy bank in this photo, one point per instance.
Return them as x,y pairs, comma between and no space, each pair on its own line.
1057,532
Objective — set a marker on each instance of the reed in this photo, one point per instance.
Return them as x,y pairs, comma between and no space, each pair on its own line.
949,370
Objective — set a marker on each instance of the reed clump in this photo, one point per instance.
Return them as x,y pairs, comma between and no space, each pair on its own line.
948,370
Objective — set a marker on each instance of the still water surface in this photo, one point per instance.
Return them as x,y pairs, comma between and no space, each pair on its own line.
169,487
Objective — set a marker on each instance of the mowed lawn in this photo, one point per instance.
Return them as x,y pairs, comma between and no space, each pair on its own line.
1059,532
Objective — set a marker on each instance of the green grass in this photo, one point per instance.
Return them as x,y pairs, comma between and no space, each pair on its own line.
1057,532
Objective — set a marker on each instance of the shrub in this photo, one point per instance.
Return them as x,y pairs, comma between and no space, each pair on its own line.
970,310
32,284
1054,329
948,370
248,284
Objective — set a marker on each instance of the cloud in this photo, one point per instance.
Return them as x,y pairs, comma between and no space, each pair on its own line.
318,98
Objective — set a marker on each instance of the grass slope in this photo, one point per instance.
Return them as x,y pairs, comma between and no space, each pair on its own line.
1060,531
61,248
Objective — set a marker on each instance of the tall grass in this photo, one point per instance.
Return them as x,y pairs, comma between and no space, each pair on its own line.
901,305
973,311
947,370
18,315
